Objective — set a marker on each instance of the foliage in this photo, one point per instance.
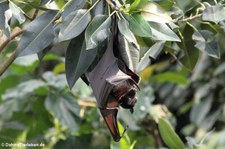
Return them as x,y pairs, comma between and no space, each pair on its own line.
176,46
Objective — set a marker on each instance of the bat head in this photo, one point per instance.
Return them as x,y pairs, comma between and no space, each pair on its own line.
125,94
129,99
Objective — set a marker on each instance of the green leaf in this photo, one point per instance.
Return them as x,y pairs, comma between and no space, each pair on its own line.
99,9
37,35
161,31
23,90
59,68
74,24
166,4
8,82
3,22
200,110
153,52
136,4
43,2
214,13
78,59
205,43
133,145
65,109
8,107
52,80
138,25
125,31
153,12
188,45
169,136
60,3
124,142
128,52
170,77
220,69
97,31
17,12
73,6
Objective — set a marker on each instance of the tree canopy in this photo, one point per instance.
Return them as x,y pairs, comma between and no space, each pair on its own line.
48,48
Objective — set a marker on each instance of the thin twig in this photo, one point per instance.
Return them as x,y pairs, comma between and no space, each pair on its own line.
6,42
188,19
112,5
176,59
8,63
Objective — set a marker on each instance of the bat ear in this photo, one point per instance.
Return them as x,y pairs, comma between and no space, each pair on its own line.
110,117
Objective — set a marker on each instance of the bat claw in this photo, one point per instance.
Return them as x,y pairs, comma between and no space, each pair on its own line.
124,131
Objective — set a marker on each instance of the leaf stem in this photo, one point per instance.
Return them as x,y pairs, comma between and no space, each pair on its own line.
113,13
110,3
190,18
93,6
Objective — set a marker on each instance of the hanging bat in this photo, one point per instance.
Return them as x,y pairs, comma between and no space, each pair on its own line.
114,85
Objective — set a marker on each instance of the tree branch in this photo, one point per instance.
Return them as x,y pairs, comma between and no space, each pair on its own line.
8,63
6,42
188,19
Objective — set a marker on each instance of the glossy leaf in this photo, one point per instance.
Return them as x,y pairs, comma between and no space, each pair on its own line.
125,31
138,25
153,52
205,43
73,6
169,136
99,8
78,59
161,31
129,53
37,35
136,4
155,13
97,31
17,12
3,22
166,4
74,24
214,13
188,45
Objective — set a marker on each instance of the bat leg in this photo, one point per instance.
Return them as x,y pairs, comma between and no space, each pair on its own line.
109,116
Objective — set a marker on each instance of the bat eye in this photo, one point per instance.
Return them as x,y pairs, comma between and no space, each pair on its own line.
128,101
131,93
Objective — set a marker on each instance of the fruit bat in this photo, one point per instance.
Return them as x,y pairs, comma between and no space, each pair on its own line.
114,85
